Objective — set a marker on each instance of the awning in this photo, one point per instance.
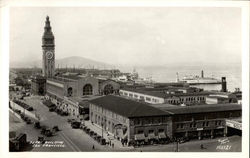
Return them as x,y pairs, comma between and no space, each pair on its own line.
152,136
140,137
117,126
162,135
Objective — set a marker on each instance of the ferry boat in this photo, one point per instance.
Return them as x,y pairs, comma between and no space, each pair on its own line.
192,80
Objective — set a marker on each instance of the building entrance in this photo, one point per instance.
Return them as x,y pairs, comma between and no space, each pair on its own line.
108,89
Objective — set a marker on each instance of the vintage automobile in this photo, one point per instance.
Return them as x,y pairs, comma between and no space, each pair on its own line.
75,124
28,121
97,137
84,128
37,125
71,120
55,128
94,135
102,141
91,133
41,139
52,109
30,108
87,130
46,131
183,140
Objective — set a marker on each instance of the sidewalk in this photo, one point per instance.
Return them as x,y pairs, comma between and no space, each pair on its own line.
98,130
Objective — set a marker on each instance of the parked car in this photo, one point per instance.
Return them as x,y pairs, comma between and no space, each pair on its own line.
102,141
51,109
82,125
94,135
37,125
28,121
30,109
65,113
84,128
91,133
41,139
25,118
183,140
75,124
46,131
98,138
71,120
87,130
56,128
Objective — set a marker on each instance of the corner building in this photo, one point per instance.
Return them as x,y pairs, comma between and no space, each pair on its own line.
129,120
139,122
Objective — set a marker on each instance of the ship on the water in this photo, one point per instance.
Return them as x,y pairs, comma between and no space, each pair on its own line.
193,80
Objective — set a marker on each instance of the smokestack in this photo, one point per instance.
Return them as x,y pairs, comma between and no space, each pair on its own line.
223,84
202,74
177,77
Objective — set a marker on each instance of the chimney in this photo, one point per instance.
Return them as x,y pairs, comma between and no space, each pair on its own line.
223,84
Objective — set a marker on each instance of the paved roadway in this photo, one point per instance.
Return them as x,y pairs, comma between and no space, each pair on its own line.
76,140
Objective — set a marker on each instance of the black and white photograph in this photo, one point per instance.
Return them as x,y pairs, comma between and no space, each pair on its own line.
127,78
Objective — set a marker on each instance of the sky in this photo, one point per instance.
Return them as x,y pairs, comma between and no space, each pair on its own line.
138,36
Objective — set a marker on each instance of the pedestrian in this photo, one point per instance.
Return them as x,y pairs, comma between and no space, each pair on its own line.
93,148
113,145
202,147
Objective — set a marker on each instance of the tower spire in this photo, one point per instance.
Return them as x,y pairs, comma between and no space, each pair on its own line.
47,27
48,47
48,37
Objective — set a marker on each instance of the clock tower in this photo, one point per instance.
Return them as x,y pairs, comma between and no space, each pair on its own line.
48,47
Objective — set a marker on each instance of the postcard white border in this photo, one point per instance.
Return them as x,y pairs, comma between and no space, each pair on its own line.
244,5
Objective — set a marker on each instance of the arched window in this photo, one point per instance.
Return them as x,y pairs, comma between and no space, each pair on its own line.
69,92
87,90
108,89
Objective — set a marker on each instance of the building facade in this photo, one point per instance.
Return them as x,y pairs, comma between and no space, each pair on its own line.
135,121
129,120
38,85
159,97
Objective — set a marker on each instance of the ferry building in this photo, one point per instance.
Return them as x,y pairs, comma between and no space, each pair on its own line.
67,90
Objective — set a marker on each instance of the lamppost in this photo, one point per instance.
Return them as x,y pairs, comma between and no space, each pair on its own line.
102,129
102,121
177,145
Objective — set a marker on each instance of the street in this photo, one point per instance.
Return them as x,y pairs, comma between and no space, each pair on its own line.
73,139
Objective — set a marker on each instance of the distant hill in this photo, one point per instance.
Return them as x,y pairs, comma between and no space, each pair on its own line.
74,61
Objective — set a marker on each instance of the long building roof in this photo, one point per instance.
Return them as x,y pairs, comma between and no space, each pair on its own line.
201,108
127,107
161,94
130,108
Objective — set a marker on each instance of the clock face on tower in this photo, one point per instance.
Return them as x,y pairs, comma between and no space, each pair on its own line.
49,54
